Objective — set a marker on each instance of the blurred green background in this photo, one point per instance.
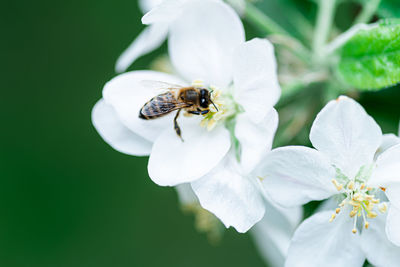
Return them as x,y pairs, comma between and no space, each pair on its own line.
66,197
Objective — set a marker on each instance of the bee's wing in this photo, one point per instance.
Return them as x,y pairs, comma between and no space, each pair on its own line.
161,105
158,85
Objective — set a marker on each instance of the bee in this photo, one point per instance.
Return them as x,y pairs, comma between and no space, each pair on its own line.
194,100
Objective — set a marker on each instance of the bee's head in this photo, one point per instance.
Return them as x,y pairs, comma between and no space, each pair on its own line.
205,99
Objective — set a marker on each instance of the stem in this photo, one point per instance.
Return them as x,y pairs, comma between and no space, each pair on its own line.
261,20
270,27
326,9
367,11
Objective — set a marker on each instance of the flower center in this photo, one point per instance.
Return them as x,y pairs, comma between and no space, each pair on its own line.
360,197
222,108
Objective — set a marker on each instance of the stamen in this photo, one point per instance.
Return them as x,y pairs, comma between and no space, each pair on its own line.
350,185
366,224
198,83
382,207
353,213
332,217
337,185
354,225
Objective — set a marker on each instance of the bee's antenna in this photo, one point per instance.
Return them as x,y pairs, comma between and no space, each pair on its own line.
214,105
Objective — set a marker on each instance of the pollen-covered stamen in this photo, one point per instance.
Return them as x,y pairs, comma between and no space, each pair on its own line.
224,108
361,199
337,184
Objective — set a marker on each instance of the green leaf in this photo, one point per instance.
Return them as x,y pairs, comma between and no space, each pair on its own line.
370,60
389,9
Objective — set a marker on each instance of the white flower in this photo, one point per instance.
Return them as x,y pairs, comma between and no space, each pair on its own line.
206,42
343,165
271,235
148,40
388,140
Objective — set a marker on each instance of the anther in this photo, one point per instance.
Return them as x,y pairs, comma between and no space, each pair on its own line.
337,185
371,214
357,197
350,185
354,230
362,186
337,210
382,207
353,213
366,225
332,217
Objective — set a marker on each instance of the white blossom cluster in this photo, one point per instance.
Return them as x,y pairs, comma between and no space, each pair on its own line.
225,163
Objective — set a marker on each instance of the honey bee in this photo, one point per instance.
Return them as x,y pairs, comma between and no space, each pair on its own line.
192,99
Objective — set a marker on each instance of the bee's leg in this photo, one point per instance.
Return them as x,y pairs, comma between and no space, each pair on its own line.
176,126
201,112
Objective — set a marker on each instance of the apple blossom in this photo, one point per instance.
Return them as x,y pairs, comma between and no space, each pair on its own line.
221,149
148,40
343,165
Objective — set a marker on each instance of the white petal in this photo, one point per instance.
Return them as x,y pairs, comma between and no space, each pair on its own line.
392,225
174,162
186,194
295,175
202,41
255,77
148,40
393,194
233,198
378,249
165,12
147,5
111,129
387,168
317,242
388,140
347,134
255,139
127,94
272,237
274,232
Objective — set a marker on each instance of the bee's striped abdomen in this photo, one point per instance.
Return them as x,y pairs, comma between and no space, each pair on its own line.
158,106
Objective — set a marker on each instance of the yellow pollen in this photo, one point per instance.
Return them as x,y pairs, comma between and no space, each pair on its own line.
198,83
382,207
261,178
353,213
375,201
350,185
360,199
337,185
357,197
354,204
369,197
